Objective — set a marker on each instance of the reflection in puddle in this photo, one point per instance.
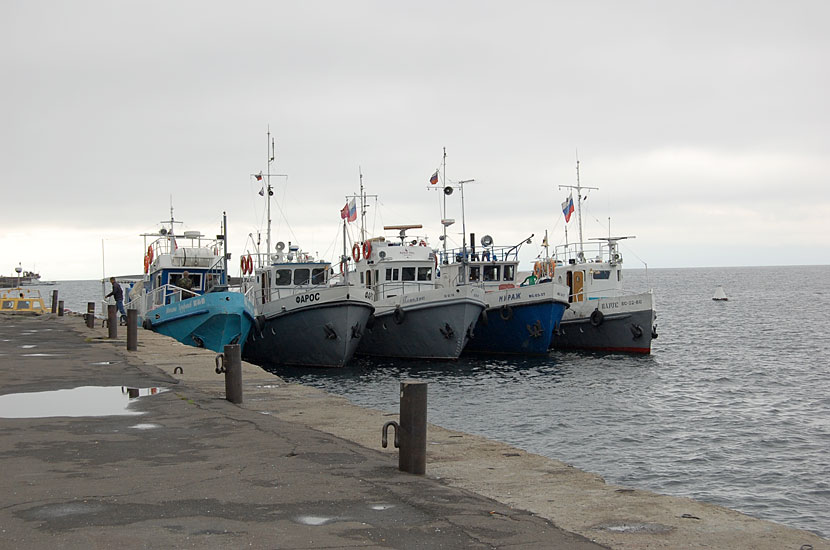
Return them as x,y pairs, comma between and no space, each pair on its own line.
42,354
313,520
382,506
28,346
145,426
83,401
105,363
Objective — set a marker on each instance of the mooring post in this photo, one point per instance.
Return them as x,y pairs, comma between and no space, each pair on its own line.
60,308
90,314
54,301
112,321
132,329
230,363
413,437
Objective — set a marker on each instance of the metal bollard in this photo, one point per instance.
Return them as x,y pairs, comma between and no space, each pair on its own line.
90,314
132,329
230,363
54,301
60,308
112,321
411,433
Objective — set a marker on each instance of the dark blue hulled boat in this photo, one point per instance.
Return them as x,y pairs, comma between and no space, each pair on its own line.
185,294
520,316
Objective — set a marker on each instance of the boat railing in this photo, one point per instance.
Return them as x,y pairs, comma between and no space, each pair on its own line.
480,254
590,252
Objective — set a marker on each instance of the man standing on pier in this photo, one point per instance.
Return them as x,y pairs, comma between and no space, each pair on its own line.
118,295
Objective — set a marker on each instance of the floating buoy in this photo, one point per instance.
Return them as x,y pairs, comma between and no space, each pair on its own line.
720,295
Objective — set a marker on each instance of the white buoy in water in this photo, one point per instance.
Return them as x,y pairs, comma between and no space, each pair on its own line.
720,295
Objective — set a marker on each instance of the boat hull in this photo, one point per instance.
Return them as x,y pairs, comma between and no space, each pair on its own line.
319,335
518,321
434,324
210,321
624,324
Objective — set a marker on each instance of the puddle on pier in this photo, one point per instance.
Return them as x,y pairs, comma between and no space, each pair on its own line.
83,401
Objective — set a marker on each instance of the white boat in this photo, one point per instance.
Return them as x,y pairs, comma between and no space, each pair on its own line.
603,315
414,317
303,316
720,295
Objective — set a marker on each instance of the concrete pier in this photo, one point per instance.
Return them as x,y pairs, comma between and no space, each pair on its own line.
291,467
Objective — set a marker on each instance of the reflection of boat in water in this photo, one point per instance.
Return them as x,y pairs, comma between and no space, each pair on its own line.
23,277
602,315
21,300
720,295
185,293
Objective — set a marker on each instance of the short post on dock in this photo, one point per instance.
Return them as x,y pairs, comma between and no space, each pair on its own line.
132,329
112,321
54,301
411,433
229,363
90,314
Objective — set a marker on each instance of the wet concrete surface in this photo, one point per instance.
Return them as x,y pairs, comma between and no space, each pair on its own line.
195,471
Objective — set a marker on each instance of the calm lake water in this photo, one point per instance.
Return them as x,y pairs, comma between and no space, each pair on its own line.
732,406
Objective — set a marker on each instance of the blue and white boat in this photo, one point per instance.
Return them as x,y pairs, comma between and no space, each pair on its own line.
204,313
520,315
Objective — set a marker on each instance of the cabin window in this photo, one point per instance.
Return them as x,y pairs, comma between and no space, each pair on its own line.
318,275
301,276
407,274
491,273
8,304
475,273
283,277
424,273
509,273
23,304
391,274
361,276
602,274
368,278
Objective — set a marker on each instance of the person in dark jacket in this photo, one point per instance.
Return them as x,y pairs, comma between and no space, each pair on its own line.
118,294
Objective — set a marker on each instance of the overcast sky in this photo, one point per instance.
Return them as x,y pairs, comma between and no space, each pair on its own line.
704,124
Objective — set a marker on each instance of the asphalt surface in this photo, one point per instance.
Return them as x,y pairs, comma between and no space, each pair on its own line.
195,471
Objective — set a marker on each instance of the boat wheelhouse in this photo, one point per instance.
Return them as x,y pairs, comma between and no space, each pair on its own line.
21,300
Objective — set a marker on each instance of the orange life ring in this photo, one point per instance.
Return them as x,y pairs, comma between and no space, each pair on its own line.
422,243
356,252
343,266
150,254
250,262
243,265
367,249
146,263
537,270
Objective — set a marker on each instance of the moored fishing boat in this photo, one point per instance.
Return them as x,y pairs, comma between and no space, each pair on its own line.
303,317
185,294
603,316
22,277
520,315
415,318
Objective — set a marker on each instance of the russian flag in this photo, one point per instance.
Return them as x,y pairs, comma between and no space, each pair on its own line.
568,207
352,211
344,212
434,179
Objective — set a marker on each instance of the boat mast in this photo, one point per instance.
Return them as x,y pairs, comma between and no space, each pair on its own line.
444,213
269,145
579,188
